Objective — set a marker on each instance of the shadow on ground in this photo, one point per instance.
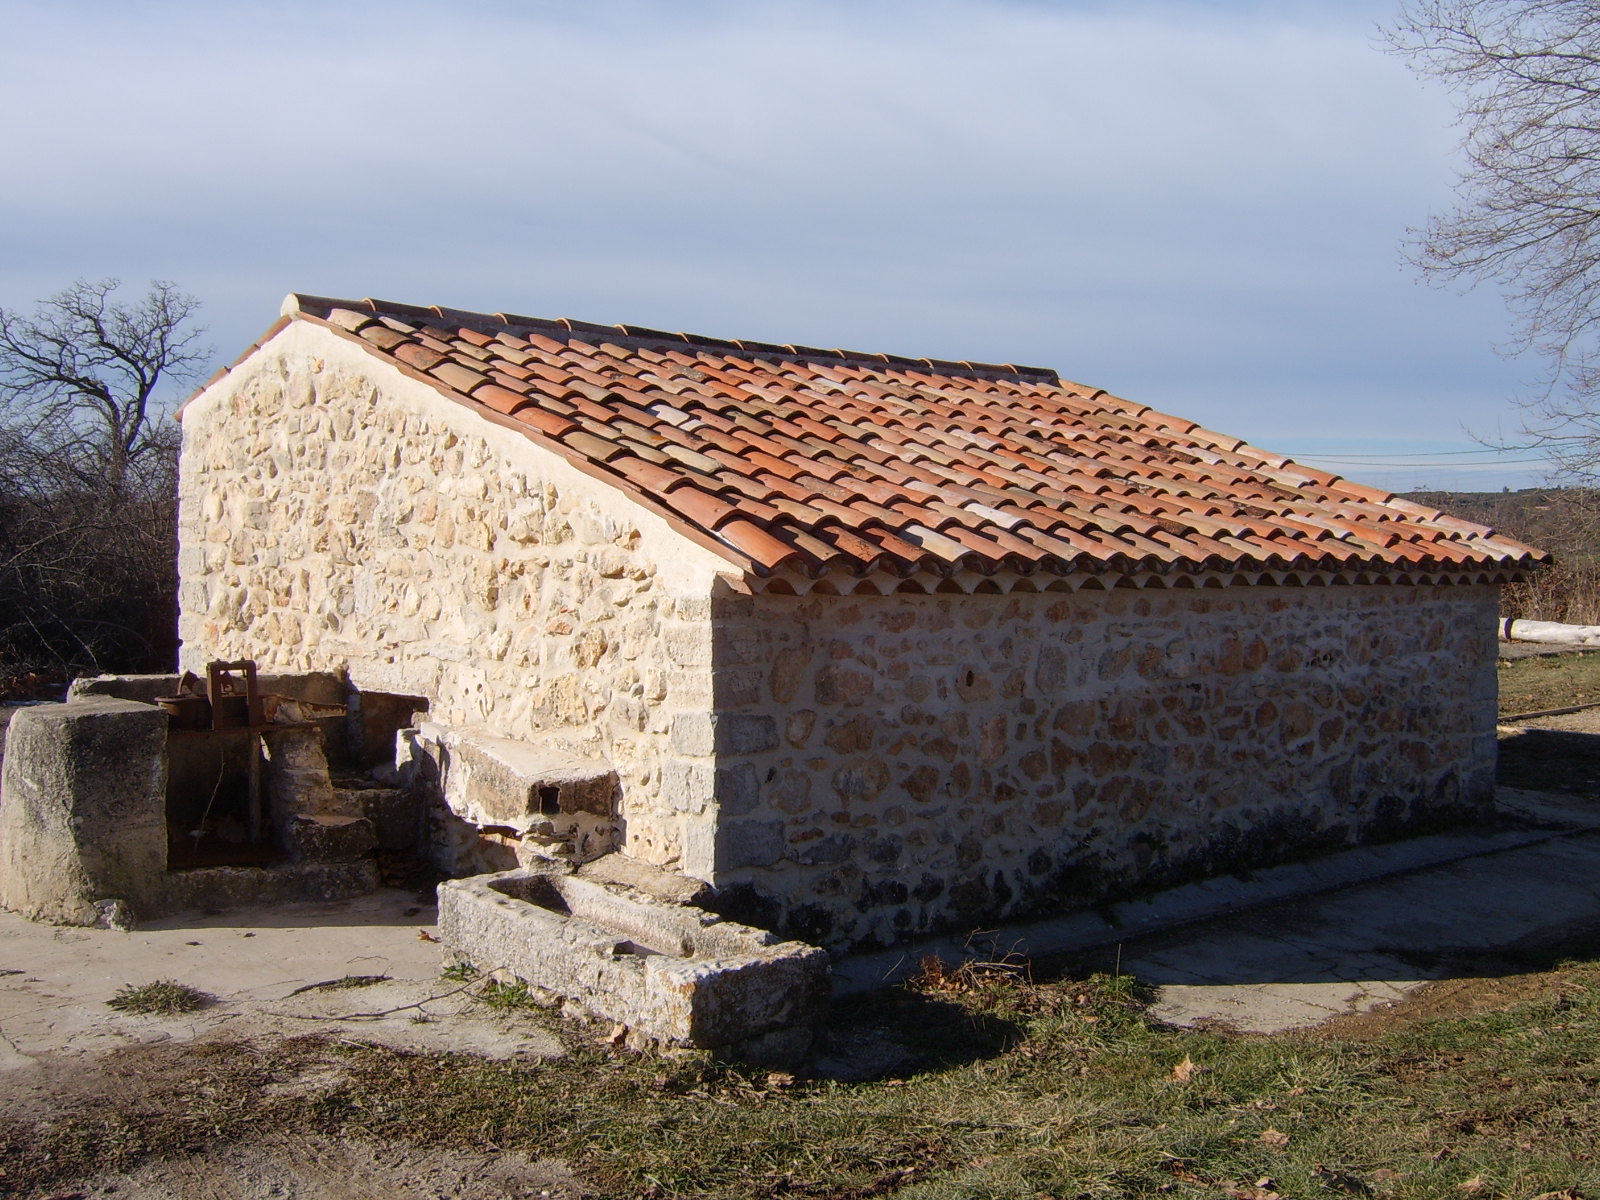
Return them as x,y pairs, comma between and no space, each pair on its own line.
898,1032
1551,760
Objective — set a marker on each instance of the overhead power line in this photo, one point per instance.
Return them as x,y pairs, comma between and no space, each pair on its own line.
1353,454
1387,463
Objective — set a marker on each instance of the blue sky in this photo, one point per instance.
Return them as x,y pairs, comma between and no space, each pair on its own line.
1199,206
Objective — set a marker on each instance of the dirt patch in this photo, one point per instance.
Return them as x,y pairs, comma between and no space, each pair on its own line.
286,1166
217,1120
1443,1000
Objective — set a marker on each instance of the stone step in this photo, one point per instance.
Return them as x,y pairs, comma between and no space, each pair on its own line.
283,883
329,839
395,813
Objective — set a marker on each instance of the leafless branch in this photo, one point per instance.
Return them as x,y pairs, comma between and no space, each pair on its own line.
1527,217
88,478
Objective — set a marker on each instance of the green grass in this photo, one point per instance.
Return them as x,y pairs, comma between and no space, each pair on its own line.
505,994
1014,1089
164,997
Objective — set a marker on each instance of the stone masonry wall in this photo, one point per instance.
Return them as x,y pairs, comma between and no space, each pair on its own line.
889,765
336,515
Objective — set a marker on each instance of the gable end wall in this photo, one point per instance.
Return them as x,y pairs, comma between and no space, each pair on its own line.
336,515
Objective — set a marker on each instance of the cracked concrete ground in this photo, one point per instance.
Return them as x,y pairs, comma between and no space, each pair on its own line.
262,965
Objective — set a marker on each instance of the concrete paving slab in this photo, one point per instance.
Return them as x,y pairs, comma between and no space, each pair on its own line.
1295,945
1294,964
262,965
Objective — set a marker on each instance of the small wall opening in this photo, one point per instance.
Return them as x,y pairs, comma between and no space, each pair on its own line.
371,723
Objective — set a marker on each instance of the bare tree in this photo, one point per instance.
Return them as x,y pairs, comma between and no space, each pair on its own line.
79,378
1527,217
88,479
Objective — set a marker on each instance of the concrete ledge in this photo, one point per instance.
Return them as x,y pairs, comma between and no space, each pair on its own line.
672,972
316,687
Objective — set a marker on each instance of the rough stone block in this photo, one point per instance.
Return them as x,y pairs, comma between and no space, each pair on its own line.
84,816
284,883
6,712
688,645
670,971
314,687
297,779
395,814
738,790
374,719
144,688
318,687
619,870
541,800
688,786
697,846
328,839
749,844
499,781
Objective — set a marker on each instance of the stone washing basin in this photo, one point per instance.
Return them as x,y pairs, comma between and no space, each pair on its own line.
670,971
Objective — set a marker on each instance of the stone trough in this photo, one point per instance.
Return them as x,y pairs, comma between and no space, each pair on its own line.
669,971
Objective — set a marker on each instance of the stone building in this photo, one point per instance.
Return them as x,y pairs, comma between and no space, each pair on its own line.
873,645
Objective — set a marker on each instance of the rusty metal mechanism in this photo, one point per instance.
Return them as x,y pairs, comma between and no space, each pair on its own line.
235,699
188,708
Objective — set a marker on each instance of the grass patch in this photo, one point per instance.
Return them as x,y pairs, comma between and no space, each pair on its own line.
507,994
1547,681
1000,1086
164,997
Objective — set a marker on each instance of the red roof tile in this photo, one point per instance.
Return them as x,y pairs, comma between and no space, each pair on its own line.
827,460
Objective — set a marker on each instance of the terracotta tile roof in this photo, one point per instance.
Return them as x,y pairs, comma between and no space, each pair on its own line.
809,462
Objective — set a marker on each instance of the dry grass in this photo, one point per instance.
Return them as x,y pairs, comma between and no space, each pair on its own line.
1009,1087
1567,591
1548,681
164,997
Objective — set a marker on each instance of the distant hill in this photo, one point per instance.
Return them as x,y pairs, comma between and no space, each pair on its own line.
1517,513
